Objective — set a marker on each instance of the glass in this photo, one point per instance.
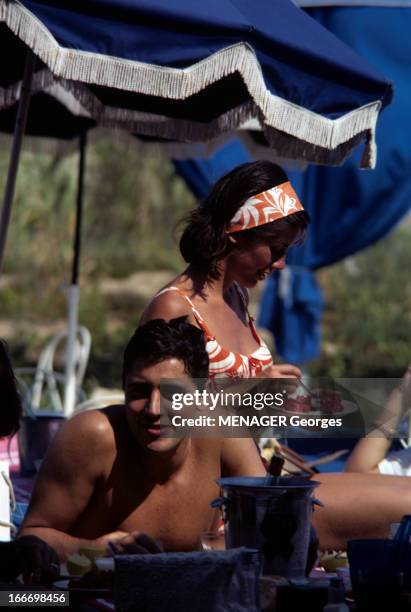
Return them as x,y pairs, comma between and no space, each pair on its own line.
212,540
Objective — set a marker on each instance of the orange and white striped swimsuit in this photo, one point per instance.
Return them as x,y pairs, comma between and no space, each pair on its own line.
228,363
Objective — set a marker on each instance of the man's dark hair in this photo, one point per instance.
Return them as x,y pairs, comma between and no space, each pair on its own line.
158,340
205,241
10,405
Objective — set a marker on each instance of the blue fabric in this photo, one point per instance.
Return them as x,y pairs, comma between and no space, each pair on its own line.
201,174
17,516
212,581
301,61
293,317
328,3
350,209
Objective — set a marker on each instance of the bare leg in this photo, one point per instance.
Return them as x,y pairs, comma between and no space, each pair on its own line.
359,506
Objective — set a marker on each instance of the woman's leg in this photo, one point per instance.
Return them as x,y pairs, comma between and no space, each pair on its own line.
359,506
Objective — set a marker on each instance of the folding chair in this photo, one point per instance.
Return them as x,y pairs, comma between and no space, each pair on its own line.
41,387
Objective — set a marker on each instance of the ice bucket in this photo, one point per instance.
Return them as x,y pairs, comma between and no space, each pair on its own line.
272,514
35,435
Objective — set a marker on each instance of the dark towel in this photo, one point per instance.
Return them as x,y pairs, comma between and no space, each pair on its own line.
216,581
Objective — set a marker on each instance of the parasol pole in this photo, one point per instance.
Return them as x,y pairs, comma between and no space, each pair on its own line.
19,129
73,293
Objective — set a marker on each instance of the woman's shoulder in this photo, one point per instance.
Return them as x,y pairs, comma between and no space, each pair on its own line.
169,303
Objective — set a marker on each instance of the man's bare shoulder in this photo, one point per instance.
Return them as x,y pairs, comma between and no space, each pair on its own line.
91,429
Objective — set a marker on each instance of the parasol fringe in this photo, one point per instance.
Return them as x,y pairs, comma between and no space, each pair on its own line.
282,146
11,95
314,138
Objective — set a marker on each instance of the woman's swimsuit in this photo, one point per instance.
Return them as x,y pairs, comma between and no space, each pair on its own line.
223,362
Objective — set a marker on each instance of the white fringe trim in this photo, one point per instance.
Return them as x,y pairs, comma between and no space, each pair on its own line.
308,129
67,99
10,96
283,148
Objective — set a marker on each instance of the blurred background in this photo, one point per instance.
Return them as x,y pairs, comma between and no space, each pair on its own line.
130,250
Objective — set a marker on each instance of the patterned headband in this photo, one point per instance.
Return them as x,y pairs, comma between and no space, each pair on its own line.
266,207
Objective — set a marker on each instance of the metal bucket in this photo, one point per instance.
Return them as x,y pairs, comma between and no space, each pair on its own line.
273,515
34,436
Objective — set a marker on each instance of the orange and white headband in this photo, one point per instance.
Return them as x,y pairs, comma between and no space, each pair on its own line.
266,207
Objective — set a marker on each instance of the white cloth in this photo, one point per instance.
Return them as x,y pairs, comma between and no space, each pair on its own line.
397,463
4,502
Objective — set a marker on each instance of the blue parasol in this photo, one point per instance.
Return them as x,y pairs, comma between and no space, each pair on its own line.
191,71
350,209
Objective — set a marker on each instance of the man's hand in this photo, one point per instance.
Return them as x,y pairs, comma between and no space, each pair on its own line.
137,543
30,556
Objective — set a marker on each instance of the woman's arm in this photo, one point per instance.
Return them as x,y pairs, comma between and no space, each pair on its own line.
368,453
371,450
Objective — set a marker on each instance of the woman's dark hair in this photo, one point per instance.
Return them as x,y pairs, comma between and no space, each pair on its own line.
204,241
10,405
158,340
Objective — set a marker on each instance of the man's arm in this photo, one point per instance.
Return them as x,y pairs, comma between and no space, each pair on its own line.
240,457
67,480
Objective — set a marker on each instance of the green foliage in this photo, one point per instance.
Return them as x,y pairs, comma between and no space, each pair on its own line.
38,242
132,202
367,320
136,201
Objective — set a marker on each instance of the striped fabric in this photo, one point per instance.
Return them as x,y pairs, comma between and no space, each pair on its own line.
228,363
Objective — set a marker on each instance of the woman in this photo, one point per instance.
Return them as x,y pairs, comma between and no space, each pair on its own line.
237,237
28,555
229,251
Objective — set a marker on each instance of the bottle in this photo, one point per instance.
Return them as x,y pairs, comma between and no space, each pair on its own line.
336,597
276,465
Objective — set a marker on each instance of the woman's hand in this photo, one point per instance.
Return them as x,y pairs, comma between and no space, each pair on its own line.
285,371
282,370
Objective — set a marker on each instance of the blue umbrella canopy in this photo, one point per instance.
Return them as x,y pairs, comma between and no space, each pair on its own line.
190,71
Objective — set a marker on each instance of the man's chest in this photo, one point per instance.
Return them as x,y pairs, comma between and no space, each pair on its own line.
174,513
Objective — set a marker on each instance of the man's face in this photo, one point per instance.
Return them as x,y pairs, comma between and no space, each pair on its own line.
142,393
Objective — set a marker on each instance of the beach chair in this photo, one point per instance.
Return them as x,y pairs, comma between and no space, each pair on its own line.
7,503
42,387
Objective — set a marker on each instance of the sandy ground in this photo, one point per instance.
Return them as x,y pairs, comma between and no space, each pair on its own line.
140,285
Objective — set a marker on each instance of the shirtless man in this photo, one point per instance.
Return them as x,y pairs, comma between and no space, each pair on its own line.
109,473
